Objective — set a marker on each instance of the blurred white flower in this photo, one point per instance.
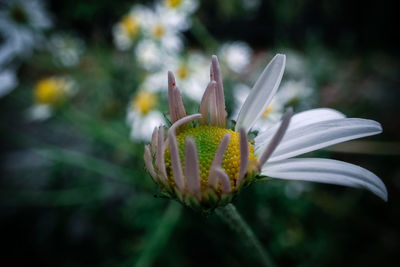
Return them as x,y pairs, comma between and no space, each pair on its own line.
296,93
191,73
8,81
164,29
150,56
127,31
296,65
66,49
49,93
22,24
236,55
185,7
142,116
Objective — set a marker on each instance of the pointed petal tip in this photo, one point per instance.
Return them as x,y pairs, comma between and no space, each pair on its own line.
171,78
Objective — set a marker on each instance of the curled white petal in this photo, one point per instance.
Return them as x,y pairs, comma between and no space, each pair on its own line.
302,119
322,134
326,171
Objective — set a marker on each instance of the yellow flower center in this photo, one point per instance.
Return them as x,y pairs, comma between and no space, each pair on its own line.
130,25
207,139
50,91
182,72
173,3
144,102
158,31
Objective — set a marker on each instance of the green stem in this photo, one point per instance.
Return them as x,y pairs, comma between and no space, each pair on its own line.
158,238
231,216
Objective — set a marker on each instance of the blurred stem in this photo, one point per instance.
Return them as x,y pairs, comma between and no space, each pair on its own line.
157,239
202,35
231,216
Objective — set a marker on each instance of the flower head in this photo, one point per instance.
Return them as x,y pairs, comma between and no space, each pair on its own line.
204,164
49,93
66,49
143,116
22,23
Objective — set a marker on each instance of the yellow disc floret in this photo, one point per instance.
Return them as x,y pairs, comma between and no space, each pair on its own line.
207,139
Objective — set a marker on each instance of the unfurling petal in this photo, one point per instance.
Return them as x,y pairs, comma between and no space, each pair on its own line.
192,168
219,92
176,108
244,156
276,139
176,161
206,104
326,171
149,164
261,94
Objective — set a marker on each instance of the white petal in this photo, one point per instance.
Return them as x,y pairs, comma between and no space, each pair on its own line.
322,134
326,171
302,119
261,93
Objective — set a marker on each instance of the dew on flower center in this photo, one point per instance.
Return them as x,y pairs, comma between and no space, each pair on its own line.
207,139
144,102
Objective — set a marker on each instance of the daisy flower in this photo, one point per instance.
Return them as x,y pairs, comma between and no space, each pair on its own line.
50,93
236,55
143,116
66,49
183,7
128,30
191,73
151,56
164,29
203,164
22,23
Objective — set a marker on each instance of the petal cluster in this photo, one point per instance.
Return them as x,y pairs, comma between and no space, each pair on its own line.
175,158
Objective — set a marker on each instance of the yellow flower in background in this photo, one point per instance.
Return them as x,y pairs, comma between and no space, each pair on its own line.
144,102
51,91
173,3
130,25
143,116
